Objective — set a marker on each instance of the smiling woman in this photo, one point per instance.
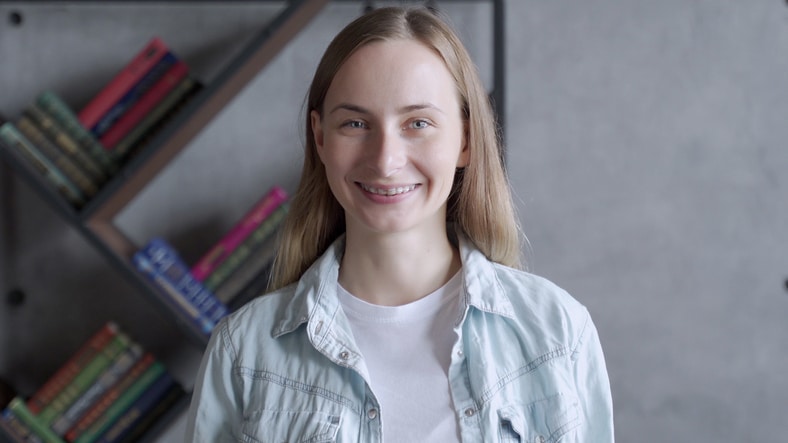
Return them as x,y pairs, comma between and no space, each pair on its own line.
398,311
390,137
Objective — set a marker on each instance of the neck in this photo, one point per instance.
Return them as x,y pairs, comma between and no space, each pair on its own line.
397,268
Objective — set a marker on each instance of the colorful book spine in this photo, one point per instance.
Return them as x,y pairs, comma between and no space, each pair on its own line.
246,248
143,405
119,367
138,110
53,105
100,407
140,427
15,430
172,295
54,132
40,429
124,401
57,156
238,233
66,373
122,82
167,261
23,148
84,379
133,95
257,266
155,117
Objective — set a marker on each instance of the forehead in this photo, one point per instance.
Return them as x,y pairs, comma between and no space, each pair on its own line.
394,72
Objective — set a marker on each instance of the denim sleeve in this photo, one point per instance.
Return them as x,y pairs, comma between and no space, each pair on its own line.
593,387
215,409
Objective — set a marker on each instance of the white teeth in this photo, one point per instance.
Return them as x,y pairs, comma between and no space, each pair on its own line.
390,191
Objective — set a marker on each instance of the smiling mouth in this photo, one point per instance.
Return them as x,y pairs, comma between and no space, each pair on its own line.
387,191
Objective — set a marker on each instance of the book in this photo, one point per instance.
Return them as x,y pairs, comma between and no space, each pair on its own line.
119,367
180,303
166,260
19,146
63,376
83,380
53,105
123,402
246,248
37,427
126,102
57,156
122,82
55,133
146,422
238,232
257,266
157,116
98,409
14,429
147,101
139,408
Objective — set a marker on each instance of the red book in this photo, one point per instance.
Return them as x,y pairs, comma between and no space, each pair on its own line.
144,105
238,233
109,397
46,393
124,80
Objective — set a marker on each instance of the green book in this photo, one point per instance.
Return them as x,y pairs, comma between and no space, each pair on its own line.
57,108
246,248
155,117
122,403
84,379
18,407
18,145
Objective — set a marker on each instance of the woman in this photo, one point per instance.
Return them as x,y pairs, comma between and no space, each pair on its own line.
398,312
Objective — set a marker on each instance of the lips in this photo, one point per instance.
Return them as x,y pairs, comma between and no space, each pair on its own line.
396,190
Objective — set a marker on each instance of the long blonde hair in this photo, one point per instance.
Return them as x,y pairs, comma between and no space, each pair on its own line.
480,203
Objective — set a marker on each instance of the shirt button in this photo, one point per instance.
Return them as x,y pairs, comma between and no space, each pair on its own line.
540,439
372,413
469,412
344,355
459,353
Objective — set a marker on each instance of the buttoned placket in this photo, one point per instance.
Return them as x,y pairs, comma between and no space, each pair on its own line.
459,382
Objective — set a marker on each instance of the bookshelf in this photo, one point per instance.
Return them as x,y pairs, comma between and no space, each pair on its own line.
96,221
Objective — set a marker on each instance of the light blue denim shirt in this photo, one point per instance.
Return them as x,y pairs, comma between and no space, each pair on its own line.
527,366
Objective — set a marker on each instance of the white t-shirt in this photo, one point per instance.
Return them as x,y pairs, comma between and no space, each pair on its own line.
407,350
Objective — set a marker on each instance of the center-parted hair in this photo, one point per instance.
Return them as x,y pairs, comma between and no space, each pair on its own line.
480,202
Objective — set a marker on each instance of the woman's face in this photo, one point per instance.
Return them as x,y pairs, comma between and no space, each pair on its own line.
391,136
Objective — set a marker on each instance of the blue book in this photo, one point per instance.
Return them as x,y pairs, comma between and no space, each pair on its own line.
131,97
166,261
137,411
176,298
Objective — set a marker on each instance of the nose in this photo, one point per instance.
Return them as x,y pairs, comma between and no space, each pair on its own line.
387,152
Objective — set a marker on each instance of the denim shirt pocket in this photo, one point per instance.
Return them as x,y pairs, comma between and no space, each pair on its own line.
266,426
543,421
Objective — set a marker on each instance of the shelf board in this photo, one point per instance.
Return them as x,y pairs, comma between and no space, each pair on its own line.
199,111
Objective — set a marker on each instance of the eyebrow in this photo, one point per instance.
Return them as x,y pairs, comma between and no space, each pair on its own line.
403,110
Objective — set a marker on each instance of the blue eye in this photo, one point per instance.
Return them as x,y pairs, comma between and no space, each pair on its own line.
355,124
419,124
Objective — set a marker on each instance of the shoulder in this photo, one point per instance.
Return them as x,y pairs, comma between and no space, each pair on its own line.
535,292
542,308
254,324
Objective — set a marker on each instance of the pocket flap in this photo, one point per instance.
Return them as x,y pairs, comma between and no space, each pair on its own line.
545,420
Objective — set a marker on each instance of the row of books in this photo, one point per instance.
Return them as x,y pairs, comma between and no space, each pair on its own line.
237,263
110,390
78,152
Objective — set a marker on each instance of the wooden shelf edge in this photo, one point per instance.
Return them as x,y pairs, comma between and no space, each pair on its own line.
203,108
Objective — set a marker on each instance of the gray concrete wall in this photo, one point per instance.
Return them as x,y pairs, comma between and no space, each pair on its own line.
645,146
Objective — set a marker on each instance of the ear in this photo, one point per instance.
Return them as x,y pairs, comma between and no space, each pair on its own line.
465,153
317,132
